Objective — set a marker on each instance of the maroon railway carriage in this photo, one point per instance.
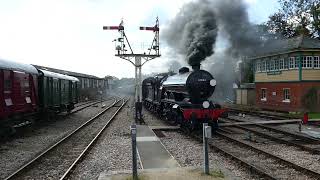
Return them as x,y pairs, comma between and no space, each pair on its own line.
18,89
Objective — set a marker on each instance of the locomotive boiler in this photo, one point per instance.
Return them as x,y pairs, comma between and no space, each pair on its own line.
183,98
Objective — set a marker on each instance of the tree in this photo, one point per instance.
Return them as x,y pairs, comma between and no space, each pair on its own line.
278,24
296,17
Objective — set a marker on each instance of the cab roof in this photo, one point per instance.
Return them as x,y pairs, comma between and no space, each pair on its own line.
15,66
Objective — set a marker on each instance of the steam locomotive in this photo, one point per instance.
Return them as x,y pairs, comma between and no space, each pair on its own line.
183,98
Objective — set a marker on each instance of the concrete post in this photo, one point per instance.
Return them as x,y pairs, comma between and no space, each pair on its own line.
134,152
206,135
138,77
136,90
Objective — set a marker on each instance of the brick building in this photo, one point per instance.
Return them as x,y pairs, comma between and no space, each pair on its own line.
287,74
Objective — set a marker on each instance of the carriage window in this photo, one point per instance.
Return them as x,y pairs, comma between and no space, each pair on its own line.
25,84
7,84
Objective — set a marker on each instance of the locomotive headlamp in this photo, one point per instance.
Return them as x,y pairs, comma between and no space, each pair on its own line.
213,82
205,104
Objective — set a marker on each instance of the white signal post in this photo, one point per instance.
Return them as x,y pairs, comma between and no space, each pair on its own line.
121,51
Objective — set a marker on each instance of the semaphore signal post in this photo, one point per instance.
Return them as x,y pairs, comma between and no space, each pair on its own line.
139,59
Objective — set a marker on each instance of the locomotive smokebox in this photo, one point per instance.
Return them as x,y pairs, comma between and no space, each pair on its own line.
196,67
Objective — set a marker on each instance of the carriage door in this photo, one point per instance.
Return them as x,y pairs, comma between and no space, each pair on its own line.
7,90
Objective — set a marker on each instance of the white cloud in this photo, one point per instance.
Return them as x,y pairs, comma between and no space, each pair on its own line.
68,34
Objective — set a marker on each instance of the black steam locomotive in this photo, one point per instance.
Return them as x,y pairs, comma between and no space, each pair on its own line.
183,98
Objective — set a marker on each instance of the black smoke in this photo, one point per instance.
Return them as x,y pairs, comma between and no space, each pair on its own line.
234,25
193,32
195,29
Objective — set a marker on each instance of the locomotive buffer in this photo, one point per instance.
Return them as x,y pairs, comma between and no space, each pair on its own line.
121,51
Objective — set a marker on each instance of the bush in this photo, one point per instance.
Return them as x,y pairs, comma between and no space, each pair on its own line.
310,100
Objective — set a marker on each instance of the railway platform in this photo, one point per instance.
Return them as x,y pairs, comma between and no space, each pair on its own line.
151,152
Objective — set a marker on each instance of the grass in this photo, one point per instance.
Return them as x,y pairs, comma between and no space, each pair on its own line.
215,174
140,177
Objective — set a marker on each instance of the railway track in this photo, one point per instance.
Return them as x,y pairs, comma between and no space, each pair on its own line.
57,161
83,106
83,103
267,165
89,102
260,114
305,143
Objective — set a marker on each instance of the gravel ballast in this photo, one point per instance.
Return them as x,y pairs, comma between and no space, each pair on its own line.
112,152
21,149
188,152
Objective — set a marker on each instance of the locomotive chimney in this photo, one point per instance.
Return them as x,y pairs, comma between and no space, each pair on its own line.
196,67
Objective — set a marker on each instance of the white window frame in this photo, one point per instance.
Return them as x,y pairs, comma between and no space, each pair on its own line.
316,59
285,98
292,63
272,65
276,64
263,96
258,68
281,64
263,66
307,62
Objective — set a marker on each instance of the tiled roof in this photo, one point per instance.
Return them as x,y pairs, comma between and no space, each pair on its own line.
284,45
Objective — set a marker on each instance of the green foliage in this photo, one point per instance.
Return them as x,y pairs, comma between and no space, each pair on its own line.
296,17
217,174
311,100
314,115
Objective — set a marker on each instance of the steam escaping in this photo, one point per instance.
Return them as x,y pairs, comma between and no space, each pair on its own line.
193,32
234,25
196,28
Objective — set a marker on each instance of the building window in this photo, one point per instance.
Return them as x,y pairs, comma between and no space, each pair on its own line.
291,62
276,64
281,64
285,64
307,62
263,94
286,95
263,66
272,65
258,68
316,62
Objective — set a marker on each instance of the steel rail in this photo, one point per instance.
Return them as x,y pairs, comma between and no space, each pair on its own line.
79,108
288,163
32,161
83,103
274,138
260,114
90,145
279,130
240,160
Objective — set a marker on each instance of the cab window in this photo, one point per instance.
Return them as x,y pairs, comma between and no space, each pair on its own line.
7,85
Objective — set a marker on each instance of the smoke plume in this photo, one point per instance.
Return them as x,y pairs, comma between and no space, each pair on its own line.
195,29
193,32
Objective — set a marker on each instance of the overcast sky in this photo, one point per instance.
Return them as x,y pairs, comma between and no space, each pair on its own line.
67,34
